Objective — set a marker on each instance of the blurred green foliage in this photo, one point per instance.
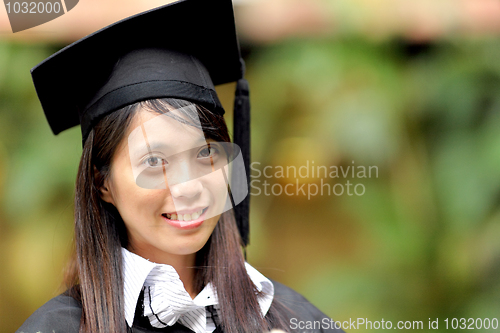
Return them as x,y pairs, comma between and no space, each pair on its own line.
422,242
37,172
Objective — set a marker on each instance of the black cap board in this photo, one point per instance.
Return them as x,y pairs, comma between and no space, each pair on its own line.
180,50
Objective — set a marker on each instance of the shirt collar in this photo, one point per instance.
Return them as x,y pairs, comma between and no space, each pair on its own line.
136,270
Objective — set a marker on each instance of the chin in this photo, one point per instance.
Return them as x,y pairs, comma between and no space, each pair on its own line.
191,248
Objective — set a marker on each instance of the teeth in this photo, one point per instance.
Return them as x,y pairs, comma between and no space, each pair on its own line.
185,217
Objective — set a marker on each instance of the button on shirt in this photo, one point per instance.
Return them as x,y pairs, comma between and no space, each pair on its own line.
166,301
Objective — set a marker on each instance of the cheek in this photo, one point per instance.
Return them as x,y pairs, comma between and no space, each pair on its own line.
131,200
221,193
217,185
221,201
138,199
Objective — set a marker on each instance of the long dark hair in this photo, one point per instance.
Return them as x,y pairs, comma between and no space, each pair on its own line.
95,276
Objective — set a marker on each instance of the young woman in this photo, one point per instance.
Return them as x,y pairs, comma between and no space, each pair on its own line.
158,242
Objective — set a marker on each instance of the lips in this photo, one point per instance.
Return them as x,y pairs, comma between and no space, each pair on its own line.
184,217
193,220
181,216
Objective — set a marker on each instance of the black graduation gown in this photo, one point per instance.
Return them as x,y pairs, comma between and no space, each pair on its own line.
62,315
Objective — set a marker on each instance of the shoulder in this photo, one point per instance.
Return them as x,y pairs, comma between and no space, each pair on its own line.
302,315
60,314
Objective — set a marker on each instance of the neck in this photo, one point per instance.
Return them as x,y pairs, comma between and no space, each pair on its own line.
183,264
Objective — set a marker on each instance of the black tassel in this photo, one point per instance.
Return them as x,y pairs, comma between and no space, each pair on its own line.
241,127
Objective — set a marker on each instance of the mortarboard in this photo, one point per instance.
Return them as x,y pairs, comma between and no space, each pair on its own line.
180,50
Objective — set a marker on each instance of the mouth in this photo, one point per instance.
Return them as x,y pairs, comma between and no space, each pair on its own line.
186,221
186,217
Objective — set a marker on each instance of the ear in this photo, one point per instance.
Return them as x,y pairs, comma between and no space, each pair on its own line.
104,191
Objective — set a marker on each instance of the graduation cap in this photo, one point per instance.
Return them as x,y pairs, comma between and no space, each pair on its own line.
180,50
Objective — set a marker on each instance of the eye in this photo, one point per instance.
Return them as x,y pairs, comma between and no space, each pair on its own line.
208,151
155,161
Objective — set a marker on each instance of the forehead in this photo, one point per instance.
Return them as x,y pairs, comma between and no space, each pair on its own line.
173,131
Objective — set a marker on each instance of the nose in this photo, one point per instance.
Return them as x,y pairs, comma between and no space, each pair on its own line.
184,181
187,189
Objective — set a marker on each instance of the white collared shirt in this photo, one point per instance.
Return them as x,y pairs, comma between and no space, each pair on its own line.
140,273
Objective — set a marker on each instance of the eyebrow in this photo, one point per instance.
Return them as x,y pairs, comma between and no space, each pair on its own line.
159,145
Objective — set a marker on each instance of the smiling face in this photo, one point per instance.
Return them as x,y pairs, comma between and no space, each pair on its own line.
169,185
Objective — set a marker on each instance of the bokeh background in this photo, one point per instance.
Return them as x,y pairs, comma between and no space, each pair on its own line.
411,88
